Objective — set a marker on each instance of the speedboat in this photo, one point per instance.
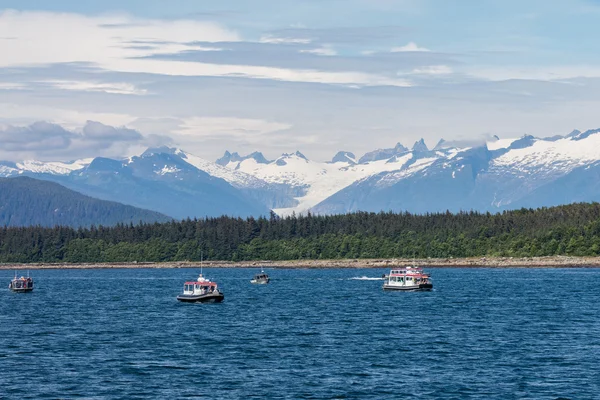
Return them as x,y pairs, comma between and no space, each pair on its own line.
261,278
201,290
408,279
21,285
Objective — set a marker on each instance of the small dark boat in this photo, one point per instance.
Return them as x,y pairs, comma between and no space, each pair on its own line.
21,285
201,291
261,278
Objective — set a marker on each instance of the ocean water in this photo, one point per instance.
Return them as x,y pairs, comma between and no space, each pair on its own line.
310,334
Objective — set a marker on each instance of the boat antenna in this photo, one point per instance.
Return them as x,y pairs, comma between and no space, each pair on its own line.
201,256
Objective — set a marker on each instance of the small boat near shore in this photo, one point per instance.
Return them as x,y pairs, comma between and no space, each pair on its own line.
201,290
261,279
408,279
21,285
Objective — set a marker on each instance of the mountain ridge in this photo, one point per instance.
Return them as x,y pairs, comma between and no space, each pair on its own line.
26,201
491,175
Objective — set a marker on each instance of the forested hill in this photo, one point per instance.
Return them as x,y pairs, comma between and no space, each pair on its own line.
563,230
30,202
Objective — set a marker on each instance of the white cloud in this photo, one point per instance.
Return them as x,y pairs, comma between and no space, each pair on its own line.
433,70
546,73
321,51
45,37
122,43
89,86
411,46
11,86
232,127
283,40
182,68
18,114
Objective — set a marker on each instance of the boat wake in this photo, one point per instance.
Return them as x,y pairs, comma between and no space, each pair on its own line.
365,278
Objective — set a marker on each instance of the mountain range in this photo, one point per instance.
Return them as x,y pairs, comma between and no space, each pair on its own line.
493,175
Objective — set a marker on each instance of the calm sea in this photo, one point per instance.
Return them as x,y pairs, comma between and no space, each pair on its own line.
310,334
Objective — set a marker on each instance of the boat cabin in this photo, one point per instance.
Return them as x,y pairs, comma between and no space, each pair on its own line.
261,277
409,276
199,287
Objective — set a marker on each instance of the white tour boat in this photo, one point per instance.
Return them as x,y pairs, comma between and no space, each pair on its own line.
408,278
21,285
201,290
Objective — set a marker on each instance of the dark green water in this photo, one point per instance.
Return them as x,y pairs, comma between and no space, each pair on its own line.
313,334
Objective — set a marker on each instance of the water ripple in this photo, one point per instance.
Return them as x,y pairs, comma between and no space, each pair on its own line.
310,334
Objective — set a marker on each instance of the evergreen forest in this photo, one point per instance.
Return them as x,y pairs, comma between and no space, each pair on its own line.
564,230
26,201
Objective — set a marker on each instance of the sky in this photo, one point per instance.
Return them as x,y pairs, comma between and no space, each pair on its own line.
109,78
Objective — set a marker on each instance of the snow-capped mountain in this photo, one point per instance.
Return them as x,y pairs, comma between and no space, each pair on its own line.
489,176
312,181
160,179
497,175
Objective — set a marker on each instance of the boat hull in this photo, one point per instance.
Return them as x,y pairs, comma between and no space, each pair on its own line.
21,290
202,298
423,287
260,281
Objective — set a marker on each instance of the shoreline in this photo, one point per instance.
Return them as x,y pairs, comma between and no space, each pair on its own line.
475,262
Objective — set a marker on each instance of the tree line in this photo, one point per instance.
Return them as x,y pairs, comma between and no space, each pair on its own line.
564,230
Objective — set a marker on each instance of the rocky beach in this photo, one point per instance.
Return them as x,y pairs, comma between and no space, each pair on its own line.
475,262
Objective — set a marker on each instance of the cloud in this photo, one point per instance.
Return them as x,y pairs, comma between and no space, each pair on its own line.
42,139
104,133
11,86
279,40
95,86
134,45
340,35
223,127
39,136
543,73
42,37
321,51
183,68
411,46
70,116
433,70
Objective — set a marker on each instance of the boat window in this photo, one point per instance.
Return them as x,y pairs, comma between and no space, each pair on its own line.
393,279
408,278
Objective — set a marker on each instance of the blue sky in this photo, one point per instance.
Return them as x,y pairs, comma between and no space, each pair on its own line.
278,76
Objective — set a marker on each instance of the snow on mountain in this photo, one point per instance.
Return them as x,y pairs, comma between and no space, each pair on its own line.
52,167
498,175
500,143
492,175
236,178
317,181
552,156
